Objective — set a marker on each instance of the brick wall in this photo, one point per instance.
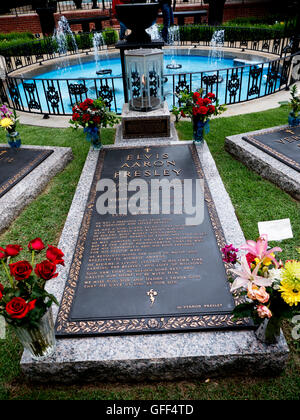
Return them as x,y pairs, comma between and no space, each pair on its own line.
84,14
232,11
23,23
31,23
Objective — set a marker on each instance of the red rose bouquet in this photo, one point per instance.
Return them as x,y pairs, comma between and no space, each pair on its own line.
199,108
196,104
24,300
92,115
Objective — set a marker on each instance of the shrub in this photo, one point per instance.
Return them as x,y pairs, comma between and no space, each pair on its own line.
25,46
196,33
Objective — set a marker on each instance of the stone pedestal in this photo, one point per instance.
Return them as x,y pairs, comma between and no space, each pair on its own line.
152,124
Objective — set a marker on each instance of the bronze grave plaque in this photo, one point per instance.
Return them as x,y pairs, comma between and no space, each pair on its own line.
16,164
283,144
146,273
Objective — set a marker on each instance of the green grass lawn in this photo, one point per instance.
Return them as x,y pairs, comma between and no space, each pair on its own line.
254,200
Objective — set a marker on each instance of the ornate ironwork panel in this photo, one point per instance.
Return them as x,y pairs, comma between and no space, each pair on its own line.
276,45
285,70
52,97
76,90
209,81
136,84
31,96
255,75
272,78
153,83
8,62
106,93
18,62
265,46
3,96
182,86
14,93
233,86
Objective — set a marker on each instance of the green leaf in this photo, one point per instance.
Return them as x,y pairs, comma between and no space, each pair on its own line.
244,310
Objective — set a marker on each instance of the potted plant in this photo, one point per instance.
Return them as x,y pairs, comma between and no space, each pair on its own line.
24,302
199,108
270,289
92,115
8,121
294,117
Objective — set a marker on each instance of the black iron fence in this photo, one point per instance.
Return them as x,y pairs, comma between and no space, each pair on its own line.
233,85
57,96
38,51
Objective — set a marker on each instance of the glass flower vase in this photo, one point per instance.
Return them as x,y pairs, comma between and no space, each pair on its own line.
293,120
96,142
14,140
269,330
200,128
39,340
93,134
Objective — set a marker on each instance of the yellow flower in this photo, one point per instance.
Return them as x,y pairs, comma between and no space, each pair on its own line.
291,271
290,292
6,123
268,261
290,284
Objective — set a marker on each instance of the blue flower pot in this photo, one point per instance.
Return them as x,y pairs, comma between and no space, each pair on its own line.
93,135
293,120
200,128
13,139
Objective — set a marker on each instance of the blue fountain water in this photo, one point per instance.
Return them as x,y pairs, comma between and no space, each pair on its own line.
83,73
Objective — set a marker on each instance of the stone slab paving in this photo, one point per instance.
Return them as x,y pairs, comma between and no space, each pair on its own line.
25,191
150,357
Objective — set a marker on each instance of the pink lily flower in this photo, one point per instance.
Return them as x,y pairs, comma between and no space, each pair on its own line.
246,277
260,249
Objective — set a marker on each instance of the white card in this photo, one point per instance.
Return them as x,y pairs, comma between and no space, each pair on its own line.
277,230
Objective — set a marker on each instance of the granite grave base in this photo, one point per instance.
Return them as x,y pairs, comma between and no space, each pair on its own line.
161,356
152,124
165,140
280,170
29,186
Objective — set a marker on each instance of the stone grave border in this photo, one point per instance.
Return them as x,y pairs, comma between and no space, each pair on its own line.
268,167
25,191
161,356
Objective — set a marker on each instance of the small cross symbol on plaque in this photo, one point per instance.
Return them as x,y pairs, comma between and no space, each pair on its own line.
147,149
152,293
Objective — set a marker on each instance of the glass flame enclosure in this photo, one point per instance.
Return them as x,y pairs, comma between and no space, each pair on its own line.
144,72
